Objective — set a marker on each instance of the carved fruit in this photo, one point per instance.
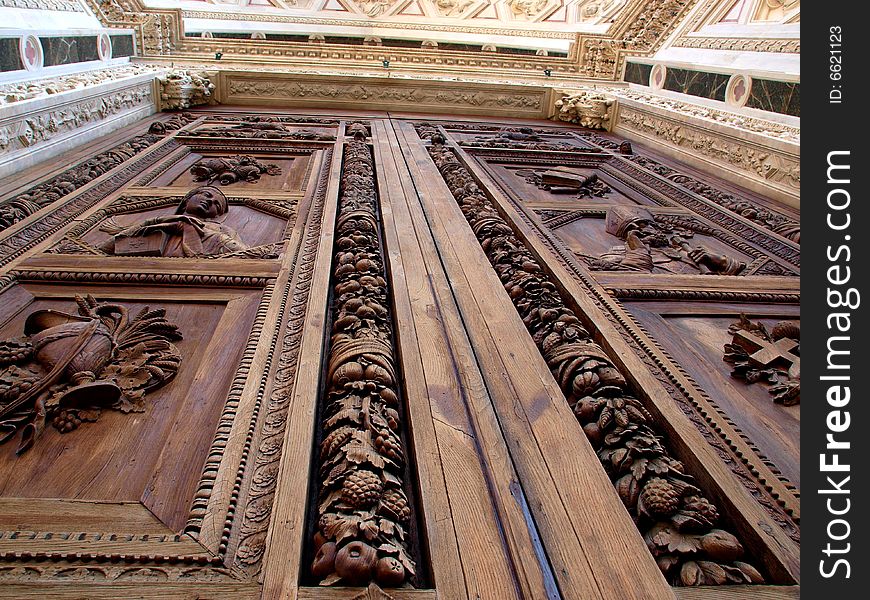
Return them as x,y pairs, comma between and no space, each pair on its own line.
324,561
585,409
347,373
379,374
750,572
390,398
721,546
389,572
355,561
593,432
319,540
362,488
659,498
628,489
397,505
700,508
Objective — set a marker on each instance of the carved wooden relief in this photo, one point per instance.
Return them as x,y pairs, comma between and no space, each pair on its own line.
363,513
680,525
243,353
71,366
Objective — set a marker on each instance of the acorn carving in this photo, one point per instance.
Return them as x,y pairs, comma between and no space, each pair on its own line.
354,562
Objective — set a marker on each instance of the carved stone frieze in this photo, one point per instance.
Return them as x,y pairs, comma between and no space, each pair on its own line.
69,367
364,513
425,95
181,89
738,44
32,129
724,117
587,108
58,5
11,93
761,163
771,357
678,522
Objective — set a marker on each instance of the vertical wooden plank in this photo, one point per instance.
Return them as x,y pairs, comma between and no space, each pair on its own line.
281,563
595,549
450,409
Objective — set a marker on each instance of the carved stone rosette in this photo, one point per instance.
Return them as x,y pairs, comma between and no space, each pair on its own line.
677,521
363,513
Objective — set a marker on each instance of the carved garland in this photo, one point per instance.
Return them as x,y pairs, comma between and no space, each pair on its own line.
23,205
363,511
677,521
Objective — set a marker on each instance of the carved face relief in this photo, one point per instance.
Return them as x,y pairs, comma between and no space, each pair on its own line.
205,202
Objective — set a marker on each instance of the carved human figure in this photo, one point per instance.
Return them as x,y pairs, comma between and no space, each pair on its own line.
650,246
194,230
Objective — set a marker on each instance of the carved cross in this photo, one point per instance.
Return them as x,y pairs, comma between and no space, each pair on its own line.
763,353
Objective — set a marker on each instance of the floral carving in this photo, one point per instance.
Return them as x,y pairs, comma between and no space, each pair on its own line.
69,367
677,521
363,512
772,357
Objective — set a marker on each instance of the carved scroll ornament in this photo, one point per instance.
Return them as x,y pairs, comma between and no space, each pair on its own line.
677,521
514,138
69,367
363,512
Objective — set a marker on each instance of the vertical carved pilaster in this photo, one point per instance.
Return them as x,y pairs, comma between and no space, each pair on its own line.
363,509
677,521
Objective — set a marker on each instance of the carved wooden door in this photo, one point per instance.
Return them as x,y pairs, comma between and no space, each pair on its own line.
271,354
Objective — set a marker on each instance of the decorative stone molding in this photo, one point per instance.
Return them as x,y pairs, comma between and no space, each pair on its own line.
590,109
181,89
287,90
57,5
778,46
157,30
759,163
40,88
33,129
748,124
